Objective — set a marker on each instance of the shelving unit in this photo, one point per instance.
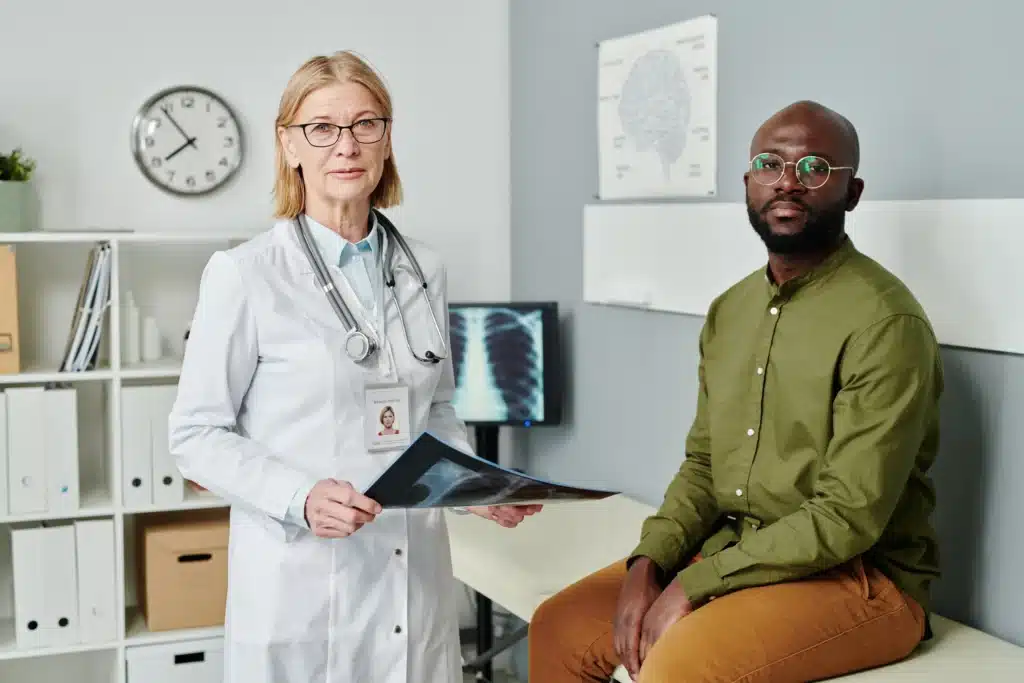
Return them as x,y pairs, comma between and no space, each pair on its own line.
162,271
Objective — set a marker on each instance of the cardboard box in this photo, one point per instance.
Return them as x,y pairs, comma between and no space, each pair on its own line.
183,568
10,347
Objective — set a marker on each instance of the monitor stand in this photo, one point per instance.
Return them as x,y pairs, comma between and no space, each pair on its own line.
486,448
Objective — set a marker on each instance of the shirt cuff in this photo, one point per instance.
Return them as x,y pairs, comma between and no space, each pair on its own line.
700,581
297,508
664,554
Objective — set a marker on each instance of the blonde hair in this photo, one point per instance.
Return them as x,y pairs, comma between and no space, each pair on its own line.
317,72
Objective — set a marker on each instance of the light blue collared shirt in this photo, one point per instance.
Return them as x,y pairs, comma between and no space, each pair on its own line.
360,263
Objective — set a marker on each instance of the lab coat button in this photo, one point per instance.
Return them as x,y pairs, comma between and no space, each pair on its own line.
398,629
398,551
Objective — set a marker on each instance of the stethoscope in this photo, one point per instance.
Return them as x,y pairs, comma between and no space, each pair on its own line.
358,345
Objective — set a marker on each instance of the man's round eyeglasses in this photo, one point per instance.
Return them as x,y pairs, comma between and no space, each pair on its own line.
323,134
768,168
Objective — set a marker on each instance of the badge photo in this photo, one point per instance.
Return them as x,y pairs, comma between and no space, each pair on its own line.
387,417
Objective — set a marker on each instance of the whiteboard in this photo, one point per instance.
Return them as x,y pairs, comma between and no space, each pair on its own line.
959,257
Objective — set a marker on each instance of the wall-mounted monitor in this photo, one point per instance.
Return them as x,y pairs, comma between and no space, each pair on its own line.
506,358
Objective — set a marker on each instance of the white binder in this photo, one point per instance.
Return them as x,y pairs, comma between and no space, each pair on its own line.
137,448
62,489
168,484
94,546
26,448
45,585
197,661
3,454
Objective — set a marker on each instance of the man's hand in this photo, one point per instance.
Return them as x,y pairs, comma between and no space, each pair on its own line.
669,608
508,516
639,591
334,509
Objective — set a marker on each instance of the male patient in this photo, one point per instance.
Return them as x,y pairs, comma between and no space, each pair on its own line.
794,543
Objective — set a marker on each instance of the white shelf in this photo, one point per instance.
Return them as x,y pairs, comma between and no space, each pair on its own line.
138,634
161,369
9,645
91,504
33,375
194,500
80,237
164,284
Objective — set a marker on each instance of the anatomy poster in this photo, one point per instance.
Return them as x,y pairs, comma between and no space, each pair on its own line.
657,112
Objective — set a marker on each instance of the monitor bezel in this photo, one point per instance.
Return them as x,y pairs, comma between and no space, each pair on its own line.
552,367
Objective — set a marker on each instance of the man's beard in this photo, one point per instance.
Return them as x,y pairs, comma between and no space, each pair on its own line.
821,229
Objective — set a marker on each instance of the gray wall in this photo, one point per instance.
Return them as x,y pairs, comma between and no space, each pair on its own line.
934,91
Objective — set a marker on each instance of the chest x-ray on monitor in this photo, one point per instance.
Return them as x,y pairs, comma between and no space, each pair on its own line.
506,361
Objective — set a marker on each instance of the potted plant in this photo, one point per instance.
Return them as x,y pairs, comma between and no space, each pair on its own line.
15,171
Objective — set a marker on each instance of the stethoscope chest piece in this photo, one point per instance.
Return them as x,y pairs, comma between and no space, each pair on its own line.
358,346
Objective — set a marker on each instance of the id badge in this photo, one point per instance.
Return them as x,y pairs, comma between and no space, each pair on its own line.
387,417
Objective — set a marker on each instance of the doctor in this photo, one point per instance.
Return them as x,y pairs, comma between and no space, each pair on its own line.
297,342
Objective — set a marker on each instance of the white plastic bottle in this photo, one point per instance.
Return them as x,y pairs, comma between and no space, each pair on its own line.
151,347
132,327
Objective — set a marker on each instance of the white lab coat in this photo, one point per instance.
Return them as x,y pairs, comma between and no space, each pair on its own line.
268,403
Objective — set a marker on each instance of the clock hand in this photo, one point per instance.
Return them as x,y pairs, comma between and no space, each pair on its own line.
190,141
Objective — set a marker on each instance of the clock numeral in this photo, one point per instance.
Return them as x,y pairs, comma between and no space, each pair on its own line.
170,176
222,121
188,101
156,162
150,141
210,176
190,181
223,161
229,141
168,107
208,103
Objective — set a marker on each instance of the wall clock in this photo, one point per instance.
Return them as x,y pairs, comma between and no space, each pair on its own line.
187,140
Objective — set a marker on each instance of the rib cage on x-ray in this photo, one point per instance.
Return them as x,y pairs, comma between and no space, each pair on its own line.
498,357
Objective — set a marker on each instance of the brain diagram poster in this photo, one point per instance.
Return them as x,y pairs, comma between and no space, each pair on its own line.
657,97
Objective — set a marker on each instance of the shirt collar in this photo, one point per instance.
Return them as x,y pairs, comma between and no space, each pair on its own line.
336,250
820,272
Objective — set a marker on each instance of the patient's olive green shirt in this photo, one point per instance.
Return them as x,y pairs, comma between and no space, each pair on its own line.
817,420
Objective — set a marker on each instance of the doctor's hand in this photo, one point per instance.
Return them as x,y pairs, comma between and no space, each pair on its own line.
508,516
334,509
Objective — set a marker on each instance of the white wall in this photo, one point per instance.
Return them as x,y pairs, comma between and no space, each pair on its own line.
74,74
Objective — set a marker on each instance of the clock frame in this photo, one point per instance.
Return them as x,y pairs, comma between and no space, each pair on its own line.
187,141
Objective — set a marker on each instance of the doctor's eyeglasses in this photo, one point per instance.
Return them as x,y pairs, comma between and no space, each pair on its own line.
812,171
323,134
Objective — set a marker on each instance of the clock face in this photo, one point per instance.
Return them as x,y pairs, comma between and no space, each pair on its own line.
187,141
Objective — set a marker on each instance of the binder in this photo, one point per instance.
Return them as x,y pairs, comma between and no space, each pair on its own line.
26,450
94,549
136,448
4,511
62,488
45,585
168,484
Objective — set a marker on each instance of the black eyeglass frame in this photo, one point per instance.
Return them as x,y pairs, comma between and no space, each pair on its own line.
341,129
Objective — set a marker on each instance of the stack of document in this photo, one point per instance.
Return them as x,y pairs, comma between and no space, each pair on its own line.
87,323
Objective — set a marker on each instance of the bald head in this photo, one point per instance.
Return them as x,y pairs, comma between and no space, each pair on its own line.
825,122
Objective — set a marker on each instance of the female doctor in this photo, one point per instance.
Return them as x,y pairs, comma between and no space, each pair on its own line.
299,338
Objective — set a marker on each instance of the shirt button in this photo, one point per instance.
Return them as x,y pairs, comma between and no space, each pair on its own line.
760,370
739,492
773,310
750,432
